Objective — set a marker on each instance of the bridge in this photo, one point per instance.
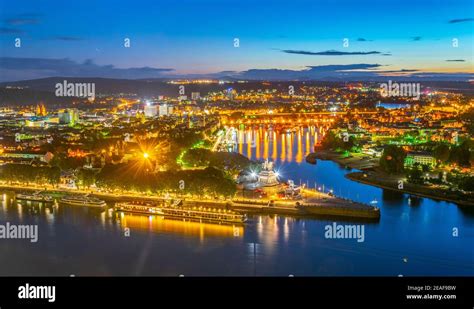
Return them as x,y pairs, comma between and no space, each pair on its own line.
290,118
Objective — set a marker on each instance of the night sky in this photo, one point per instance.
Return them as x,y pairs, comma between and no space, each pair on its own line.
180,38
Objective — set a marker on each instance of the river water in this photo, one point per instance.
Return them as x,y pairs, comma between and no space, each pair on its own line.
414,237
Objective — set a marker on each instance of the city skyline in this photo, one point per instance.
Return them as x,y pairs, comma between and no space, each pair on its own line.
302,40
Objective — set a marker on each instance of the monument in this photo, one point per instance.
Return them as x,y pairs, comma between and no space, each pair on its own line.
268,177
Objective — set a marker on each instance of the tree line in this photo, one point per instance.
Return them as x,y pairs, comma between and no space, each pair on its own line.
27,174
209,181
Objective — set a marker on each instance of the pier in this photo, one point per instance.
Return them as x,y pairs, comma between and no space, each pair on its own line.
330,207
315,204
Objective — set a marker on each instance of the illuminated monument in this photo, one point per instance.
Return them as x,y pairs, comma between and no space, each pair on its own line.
267,177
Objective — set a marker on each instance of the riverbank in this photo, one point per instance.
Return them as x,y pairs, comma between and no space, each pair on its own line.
318,208
316,205
353,161
385,181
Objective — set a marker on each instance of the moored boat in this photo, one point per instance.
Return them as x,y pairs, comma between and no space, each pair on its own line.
175,210
83,200
34,197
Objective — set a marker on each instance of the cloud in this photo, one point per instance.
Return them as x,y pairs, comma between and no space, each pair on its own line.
349,72
416,38
363,40
67,38
399,71
328,53
31,68
461,20
5,30
22,21
344,67
455,60
321,72
15,69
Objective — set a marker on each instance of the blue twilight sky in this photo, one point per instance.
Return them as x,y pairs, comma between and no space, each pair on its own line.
197,37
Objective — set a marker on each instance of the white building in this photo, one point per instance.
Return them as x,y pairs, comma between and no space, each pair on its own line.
151,110
195,95
166,110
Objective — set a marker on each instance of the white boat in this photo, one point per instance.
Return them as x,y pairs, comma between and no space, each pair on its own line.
83,200
175,210
34,197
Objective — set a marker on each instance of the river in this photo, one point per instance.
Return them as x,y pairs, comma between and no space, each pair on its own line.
414,237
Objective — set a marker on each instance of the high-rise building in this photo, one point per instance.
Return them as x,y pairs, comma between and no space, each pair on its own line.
195,95
165,110
40,110
74,116
151,110
69,116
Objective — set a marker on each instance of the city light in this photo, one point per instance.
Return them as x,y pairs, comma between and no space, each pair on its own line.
182,147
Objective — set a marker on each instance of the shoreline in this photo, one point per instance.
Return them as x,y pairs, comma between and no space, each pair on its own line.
313,208
360,162
374,180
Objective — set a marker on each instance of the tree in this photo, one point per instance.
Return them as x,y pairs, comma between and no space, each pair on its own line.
467,183
415,175
441,153
393,159
86,177
461,154
331,141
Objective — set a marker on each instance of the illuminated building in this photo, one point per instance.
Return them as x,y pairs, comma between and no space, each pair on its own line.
267,177
69,116
423,158
40,110
34,123
165,110
151,110
41,156
195,95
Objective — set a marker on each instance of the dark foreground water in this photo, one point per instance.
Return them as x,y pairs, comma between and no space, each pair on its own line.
413,237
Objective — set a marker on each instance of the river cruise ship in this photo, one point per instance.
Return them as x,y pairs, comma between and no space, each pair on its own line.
83,200
174,209
34,197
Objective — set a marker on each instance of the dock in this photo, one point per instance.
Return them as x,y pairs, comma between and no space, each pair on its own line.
334,207
315,204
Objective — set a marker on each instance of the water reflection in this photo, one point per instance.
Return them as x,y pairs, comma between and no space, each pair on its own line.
158,224
419,229
390,197
286,145
414,201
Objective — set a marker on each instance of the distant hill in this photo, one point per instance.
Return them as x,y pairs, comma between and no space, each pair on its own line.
25,97
43,89
153,87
